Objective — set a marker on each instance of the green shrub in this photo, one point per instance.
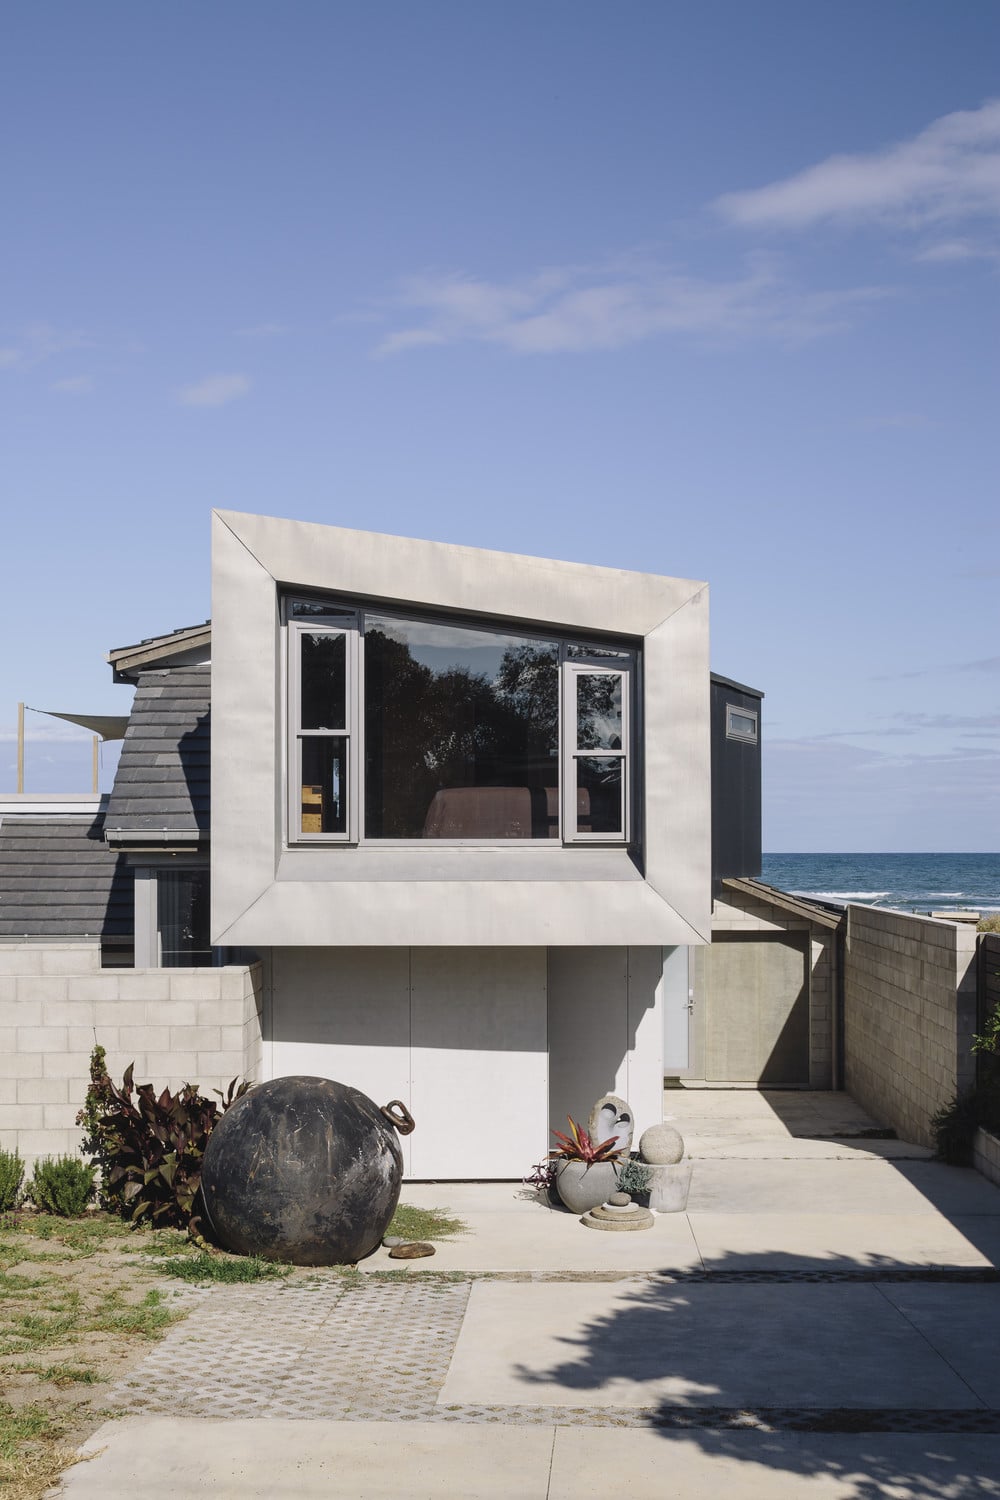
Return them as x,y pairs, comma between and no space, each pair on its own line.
11,1177
61,1185
148,1147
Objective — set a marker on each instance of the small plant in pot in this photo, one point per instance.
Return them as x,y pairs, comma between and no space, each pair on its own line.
635,1178
586,1173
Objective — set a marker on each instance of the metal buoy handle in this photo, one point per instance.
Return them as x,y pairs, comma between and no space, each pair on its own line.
397,1114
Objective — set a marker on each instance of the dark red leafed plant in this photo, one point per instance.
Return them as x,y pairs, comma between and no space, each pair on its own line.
148,1146
579,1147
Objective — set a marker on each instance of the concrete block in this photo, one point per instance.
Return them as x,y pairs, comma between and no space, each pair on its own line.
61,1116
42,1090
8,1039
145,984
73,1066
68,1012
35,1143
192,984
79,959
173,1012
180,1066
144,1038
21,1116
119,1013
220,1012
88,988
42,987
42,1039
23,1065
83,1039
223,1065
19,960
195,1038
20,1012
8,1090
232,1038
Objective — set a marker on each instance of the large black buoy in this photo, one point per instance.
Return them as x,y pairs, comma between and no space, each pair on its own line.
303,1170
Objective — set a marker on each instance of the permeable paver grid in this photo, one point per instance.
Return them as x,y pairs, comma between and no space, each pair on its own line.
320,1350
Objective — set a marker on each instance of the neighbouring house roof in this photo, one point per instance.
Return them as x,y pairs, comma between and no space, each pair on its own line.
189,646
161,790
741,687
823,913
58,879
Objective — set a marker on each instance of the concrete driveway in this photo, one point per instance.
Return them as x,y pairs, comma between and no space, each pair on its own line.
821,1322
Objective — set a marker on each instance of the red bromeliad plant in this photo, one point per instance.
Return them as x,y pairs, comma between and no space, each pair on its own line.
579,1147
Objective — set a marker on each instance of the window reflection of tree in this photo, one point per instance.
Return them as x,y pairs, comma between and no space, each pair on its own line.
428,730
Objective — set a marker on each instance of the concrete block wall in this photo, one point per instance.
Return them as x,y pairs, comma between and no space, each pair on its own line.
740,913
986,1155
177,1025
909,1016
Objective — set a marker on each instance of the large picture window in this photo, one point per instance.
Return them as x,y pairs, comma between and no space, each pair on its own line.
407,728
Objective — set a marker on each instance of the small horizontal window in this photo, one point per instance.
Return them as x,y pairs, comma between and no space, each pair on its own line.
741,724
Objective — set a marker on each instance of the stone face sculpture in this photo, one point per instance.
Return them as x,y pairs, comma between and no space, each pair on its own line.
303,1170
611,1119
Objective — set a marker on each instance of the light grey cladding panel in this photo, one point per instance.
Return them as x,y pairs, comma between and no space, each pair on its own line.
644,1080
515,585
677,761
245,728
465,913
479,1064
253,555
345,1014
588,1029
605,1031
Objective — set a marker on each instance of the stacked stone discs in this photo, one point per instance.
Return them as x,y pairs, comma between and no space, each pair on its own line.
619,1214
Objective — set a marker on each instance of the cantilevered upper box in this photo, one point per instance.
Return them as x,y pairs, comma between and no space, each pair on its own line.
419,744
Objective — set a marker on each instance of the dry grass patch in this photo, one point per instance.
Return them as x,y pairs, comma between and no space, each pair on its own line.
75,1315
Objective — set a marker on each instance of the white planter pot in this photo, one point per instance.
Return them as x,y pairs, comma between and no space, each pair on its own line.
582,1187
668,1188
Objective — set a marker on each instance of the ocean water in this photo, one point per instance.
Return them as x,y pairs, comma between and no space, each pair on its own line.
906,882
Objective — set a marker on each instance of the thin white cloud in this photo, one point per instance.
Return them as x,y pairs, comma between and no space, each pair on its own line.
579,309
948,172
214,390
957,251
74,385
40,342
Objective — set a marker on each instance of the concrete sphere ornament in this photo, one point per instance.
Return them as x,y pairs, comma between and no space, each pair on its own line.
661,1145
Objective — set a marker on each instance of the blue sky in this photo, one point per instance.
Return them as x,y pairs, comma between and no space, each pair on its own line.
706,289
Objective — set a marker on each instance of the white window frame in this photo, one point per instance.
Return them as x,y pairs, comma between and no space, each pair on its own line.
574,660
570,669
350,629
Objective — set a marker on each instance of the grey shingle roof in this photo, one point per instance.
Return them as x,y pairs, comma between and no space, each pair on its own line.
162,781
58,878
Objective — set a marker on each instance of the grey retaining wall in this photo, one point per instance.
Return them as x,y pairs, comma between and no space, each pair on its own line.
909,1016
